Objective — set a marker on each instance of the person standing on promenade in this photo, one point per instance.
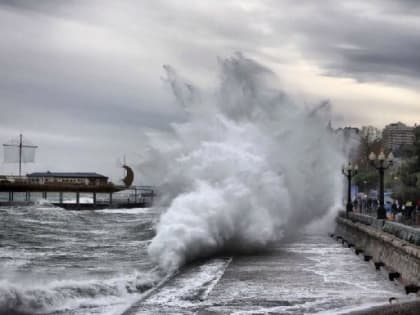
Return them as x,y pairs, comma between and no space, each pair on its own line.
394,209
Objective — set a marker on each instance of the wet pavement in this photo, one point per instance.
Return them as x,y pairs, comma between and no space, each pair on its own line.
314,275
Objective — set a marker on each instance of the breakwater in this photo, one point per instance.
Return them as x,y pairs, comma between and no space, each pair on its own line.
388,245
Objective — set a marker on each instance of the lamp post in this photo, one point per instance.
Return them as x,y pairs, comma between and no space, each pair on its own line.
381,163
349,171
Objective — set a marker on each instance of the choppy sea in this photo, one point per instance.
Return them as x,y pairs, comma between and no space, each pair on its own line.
54,261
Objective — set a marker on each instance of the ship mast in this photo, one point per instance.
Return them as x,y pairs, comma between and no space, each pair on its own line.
19,153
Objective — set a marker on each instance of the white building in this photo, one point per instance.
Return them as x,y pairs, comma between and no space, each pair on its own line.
67,178
351,139
371,133
396,135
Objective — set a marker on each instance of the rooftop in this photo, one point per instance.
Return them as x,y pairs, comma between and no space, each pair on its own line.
66,175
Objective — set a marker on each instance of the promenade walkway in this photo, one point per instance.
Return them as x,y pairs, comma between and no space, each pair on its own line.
313,275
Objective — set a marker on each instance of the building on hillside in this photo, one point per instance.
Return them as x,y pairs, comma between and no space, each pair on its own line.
396,135
348,132
350,139
92,179
371,134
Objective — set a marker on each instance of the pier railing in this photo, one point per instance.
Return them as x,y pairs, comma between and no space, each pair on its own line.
78,197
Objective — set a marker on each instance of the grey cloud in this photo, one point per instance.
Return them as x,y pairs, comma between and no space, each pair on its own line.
366,45
97,105
409,7
112,91
49,7
376,43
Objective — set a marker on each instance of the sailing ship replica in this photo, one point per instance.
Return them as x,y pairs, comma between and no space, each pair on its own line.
68,182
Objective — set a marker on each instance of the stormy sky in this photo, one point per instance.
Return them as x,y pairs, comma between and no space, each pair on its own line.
83,78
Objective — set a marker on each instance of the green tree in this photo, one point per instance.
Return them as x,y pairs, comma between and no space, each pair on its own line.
406,181
417,147
365,148
403,180
367,178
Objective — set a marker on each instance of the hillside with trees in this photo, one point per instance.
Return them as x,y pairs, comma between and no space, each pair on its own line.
403,179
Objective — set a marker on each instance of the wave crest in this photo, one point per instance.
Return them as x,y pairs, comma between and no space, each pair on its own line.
247,167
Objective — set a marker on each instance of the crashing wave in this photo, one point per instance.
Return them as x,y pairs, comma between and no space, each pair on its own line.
246,168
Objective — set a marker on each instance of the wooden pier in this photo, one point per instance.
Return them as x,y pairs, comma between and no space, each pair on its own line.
54,188
77,197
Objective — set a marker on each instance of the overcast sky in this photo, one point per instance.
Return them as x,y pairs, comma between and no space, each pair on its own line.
83,78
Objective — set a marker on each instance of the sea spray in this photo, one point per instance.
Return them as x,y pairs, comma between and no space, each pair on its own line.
246,168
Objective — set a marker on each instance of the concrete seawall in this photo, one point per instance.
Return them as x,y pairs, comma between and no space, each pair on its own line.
389,245
409,308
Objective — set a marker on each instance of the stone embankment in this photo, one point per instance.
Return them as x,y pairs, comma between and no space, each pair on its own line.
388,244
409,308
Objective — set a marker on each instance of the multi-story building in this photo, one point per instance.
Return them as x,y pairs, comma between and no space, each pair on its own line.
348,132
396,135
351,137
371,134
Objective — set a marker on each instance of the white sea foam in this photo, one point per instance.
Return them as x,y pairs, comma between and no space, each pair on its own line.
61,295
248,166
125,211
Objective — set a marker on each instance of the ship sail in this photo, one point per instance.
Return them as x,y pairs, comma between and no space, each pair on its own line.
129,177
19,152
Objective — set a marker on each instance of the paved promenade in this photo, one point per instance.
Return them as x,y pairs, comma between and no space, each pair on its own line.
315,275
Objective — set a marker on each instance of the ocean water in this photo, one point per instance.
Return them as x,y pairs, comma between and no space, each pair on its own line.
69,262
54,261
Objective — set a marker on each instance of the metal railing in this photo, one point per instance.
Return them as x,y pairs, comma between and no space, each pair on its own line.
14,179
411,218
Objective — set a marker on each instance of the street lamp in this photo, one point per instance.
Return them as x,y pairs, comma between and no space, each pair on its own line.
349,171
381,163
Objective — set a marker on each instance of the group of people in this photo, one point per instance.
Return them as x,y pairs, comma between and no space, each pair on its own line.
397,210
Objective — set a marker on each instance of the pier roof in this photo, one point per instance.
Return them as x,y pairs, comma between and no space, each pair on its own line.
66,174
